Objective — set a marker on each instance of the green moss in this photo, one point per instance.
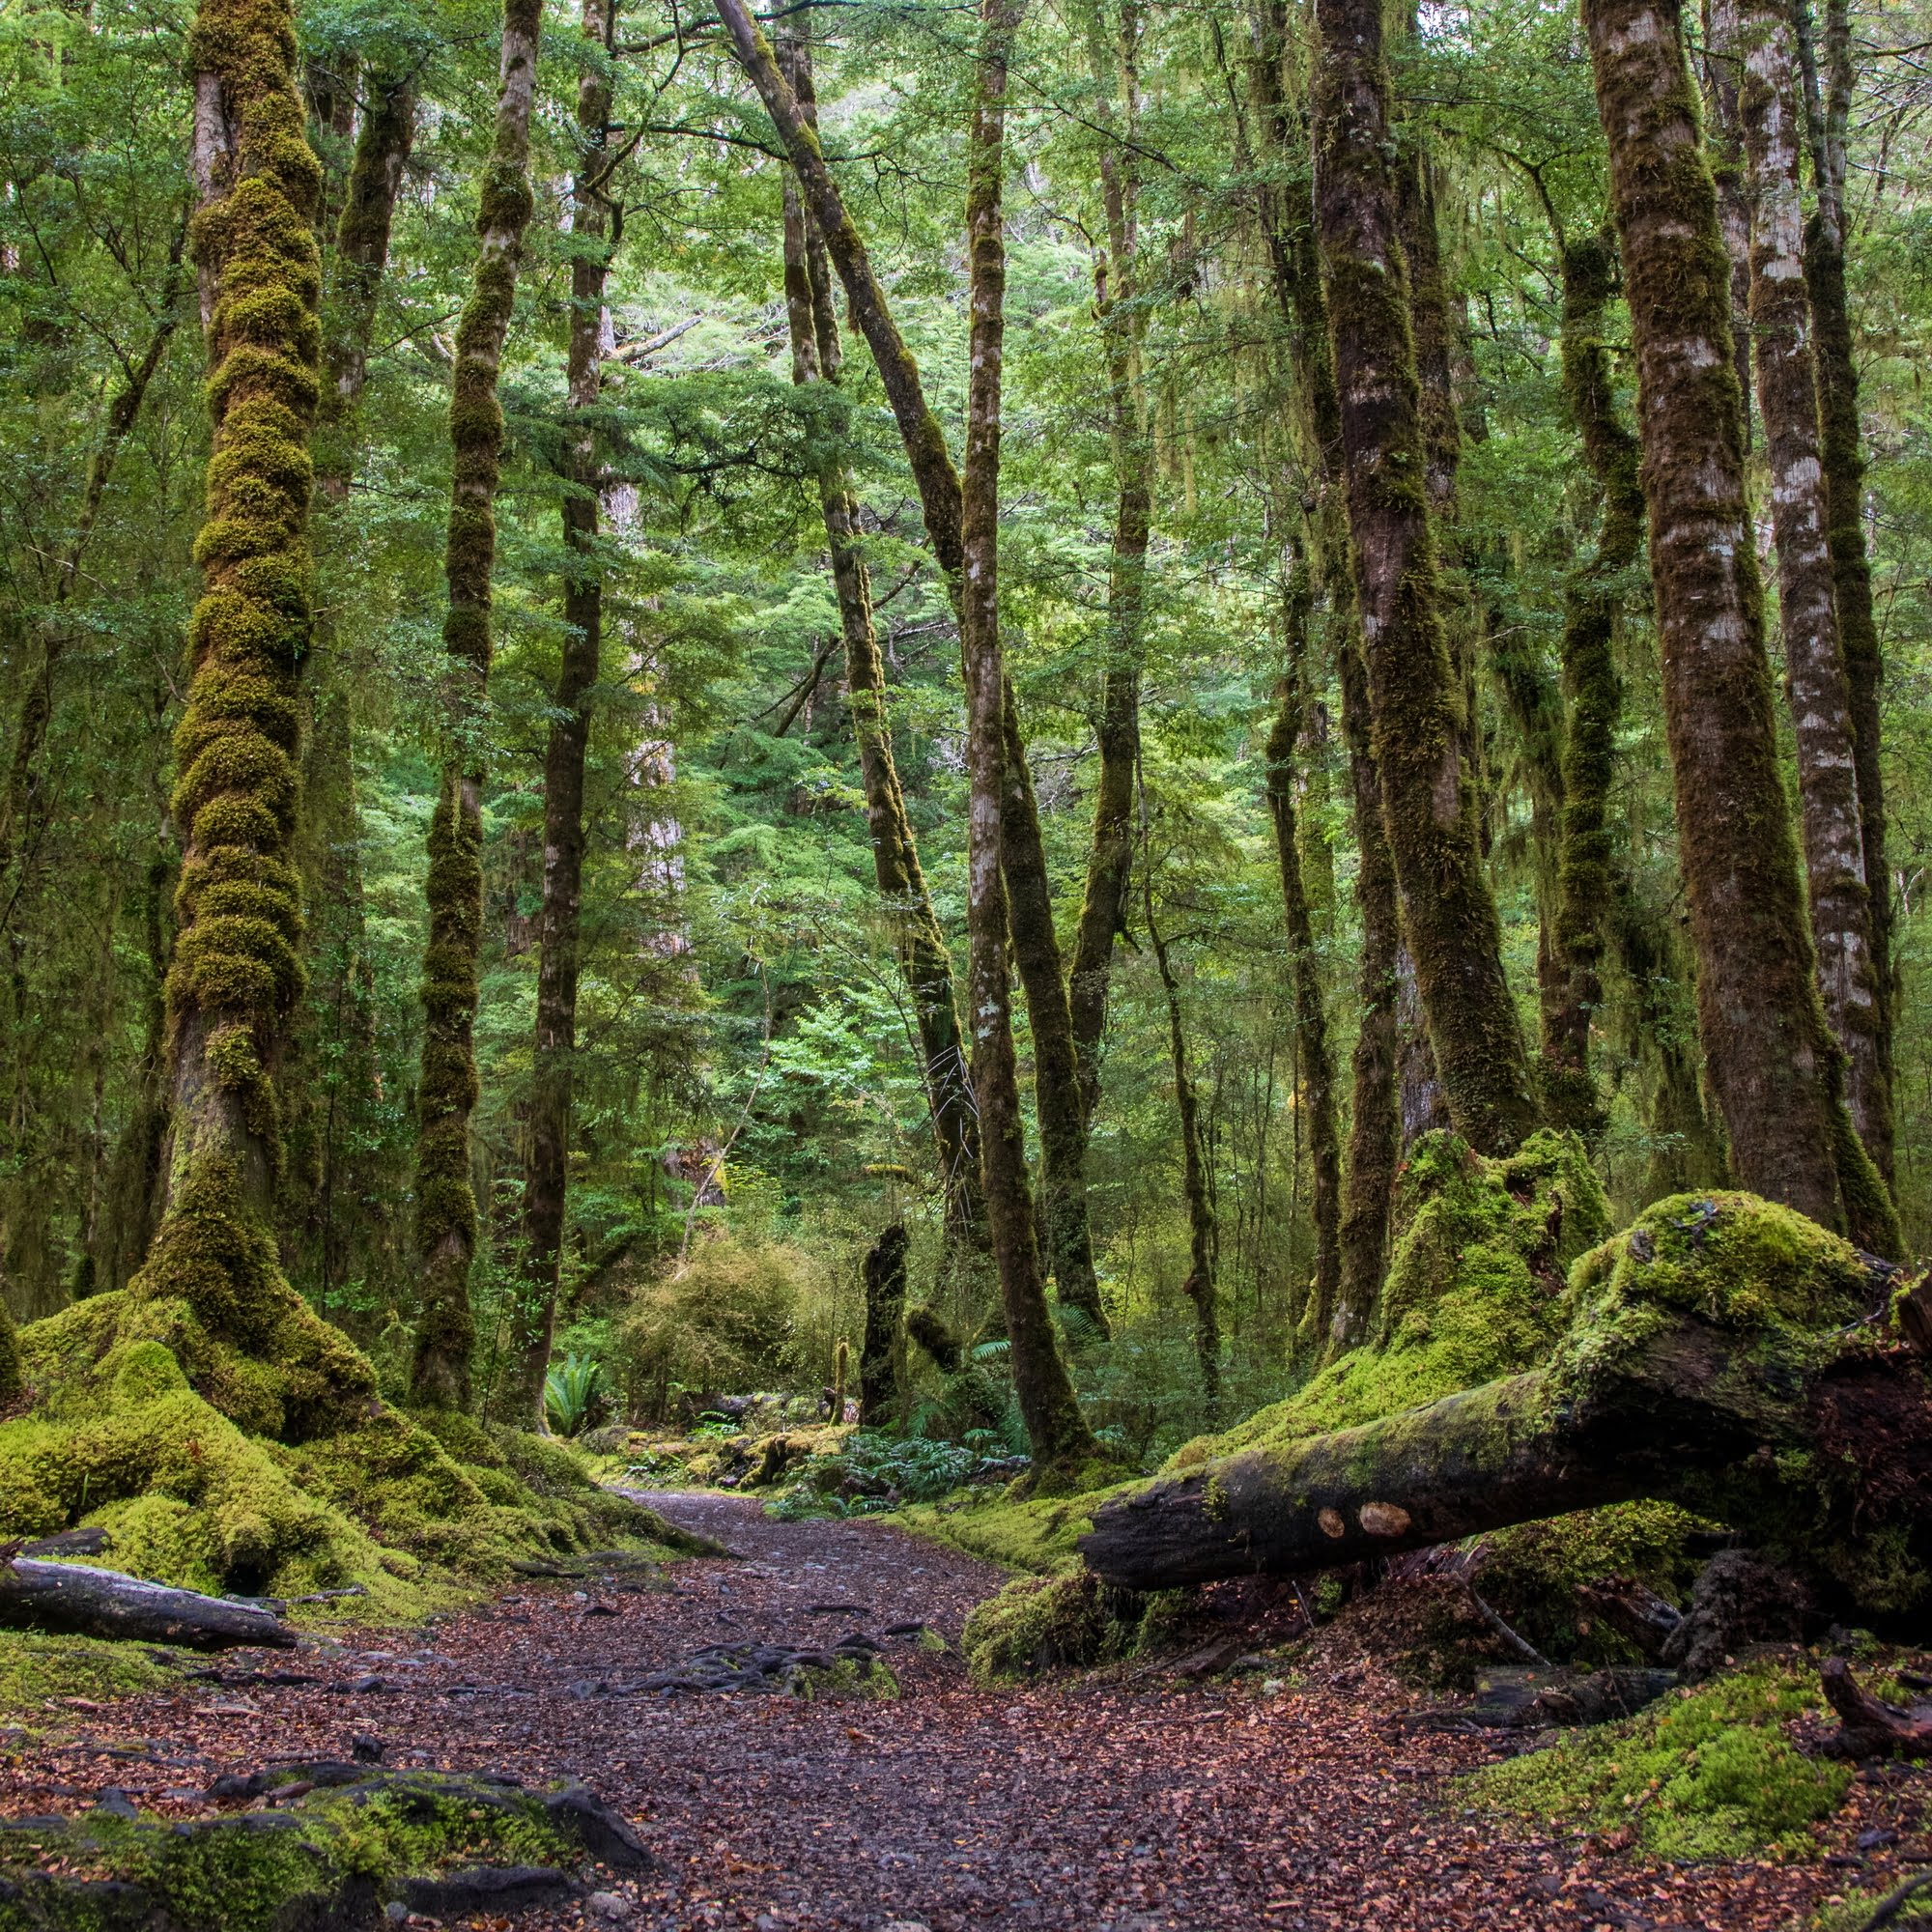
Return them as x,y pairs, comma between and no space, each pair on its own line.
188,1495
1036,1535
1711,1772
1038,1623
257,1870
1475,1290
37,1671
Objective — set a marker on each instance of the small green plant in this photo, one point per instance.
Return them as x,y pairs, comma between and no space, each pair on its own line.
873,1473
571,1391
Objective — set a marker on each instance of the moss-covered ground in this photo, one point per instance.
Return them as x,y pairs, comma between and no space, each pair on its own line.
38,1673
1715,1771
329,1854
281,1473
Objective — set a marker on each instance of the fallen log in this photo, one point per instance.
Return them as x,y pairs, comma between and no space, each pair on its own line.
76,1599
1733,1362
1867,1727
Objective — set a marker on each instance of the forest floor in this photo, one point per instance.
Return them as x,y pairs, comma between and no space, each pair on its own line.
1121,1802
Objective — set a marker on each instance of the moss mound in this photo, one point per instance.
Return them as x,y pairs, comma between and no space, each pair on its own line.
1476,1287
334,1855
1711,1773
1038,1535
1039,1623
36,1672
281,1477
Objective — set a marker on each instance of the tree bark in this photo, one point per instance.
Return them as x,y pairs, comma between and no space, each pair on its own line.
1592,692
560,918
1842,453
924,957
1725,144
1104,906
880,1354
1447,911
1759,39
1679,1418
236,973
1065,1235
1319,1320
445,1199
1199,1287
79,1599
1287,222
1055,1427
1769,1054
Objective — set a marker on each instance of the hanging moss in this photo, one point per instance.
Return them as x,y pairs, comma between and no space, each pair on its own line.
446,1206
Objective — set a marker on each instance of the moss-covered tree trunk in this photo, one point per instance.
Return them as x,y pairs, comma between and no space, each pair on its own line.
1448,914
1103,905
1758,38
882,1353
1591,690
1842,452
561,916
1288,222
235,972
1725,146
1769,1053
445,1199
1316,1060
940,502
1055,1427
924,958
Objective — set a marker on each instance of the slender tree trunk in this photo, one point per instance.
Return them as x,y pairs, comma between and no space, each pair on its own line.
1592,693
1841,451
1315,1063
559,923
1447,911
1055,1427
1199,1287
1759,37
1103,905
1067,1241
445,1199
1769,1054
939,491
1288,222
924,958
237,969
1724,145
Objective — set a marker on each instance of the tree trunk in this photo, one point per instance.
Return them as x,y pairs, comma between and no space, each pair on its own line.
1054,1425
1758,38
1769,1054
1447,911
1104,906
1288,222
924,958
237,974
1592,692
1311,1025
880,1355
1683,1411
561,918
939,492
1843,456
1725,144
445,1199
1196,1187
78,1598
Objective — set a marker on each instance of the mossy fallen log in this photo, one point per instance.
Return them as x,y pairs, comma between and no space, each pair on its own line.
77,1598
1723,1353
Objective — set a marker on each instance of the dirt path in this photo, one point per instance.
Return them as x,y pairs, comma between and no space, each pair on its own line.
1123,1806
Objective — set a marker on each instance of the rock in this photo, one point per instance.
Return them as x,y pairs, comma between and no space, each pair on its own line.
116,1803
608,1906
365,1750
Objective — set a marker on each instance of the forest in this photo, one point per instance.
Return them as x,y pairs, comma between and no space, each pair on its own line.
899,899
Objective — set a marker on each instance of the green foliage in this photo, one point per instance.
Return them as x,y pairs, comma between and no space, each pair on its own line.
1038,1624
873,1473
1711,1773
571,1392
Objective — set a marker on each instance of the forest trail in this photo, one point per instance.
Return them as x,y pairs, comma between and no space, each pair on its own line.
1123,1803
